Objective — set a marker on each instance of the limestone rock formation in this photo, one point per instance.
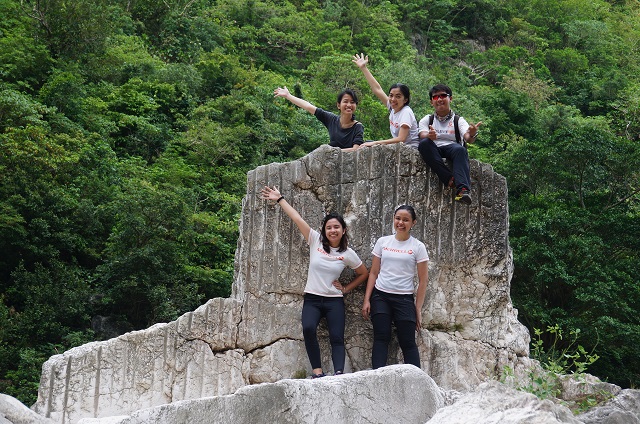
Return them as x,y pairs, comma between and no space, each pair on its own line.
495,403
470,329
394,394
397,393
12,411
623,409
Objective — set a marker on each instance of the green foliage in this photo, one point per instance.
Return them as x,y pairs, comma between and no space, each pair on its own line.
24,61
127,130
559,355
65,91
562,355
18,110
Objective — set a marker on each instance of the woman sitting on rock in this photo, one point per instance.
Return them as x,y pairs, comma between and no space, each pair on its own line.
344,131
329,254
389,295
402,121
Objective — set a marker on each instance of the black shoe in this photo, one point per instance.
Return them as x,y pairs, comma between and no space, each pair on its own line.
463,196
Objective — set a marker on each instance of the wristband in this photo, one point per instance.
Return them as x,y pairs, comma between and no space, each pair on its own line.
279,199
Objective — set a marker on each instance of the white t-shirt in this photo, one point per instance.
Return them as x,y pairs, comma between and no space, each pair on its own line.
325,268
446,130
398,260
404,117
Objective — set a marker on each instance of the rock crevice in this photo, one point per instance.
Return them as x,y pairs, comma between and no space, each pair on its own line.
470,329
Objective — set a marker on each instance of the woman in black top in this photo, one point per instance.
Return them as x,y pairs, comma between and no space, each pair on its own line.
344,131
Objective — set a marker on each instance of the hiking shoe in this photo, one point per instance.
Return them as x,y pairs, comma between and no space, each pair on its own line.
463,196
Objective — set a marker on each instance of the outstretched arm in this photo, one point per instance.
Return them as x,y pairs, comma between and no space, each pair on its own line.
362,60
284,92
402,136
269,193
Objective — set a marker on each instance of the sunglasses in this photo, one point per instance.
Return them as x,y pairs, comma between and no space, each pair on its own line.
439,96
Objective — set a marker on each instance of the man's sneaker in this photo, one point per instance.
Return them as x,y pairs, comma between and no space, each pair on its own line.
463,196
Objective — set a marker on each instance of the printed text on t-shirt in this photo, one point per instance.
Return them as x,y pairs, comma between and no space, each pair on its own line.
408,252
340,258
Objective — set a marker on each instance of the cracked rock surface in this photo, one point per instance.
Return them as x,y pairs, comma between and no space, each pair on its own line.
395,394
470,329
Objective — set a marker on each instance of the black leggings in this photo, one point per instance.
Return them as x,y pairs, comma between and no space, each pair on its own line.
399,309
313,309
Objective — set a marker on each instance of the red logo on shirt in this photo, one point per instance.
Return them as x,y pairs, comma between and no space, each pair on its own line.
340,258
408,252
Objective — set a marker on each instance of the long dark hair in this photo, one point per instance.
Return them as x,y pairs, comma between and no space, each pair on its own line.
404,89
344,241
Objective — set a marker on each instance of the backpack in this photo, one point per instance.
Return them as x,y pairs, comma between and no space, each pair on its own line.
456,118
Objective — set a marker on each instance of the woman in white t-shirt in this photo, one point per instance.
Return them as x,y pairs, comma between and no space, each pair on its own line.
402,121
329,254
389,296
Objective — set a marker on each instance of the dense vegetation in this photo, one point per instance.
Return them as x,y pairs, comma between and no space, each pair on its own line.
127,129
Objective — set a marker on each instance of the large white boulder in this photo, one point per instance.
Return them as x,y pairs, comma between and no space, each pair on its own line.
12,411
496,403
394,394
470,330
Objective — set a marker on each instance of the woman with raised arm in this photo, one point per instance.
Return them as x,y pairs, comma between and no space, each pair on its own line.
329,254
344,131
402,120
389,297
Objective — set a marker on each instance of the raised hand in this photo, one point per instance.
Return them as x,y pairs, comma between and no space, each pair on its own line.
269,193
473,129
281,92
360,59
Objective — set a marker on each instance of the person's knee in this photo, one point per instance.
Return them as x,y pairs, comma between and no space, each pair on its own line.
458,151
406,334
309,329
336,340
382,328
425,145
407,344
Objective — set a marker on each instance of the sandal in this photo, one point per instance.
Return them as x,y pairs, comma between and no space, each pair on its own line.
318,375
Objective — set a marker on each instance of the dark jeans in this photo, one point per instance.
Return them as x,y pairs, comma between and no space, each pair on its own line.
401,310
313,309
454,152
